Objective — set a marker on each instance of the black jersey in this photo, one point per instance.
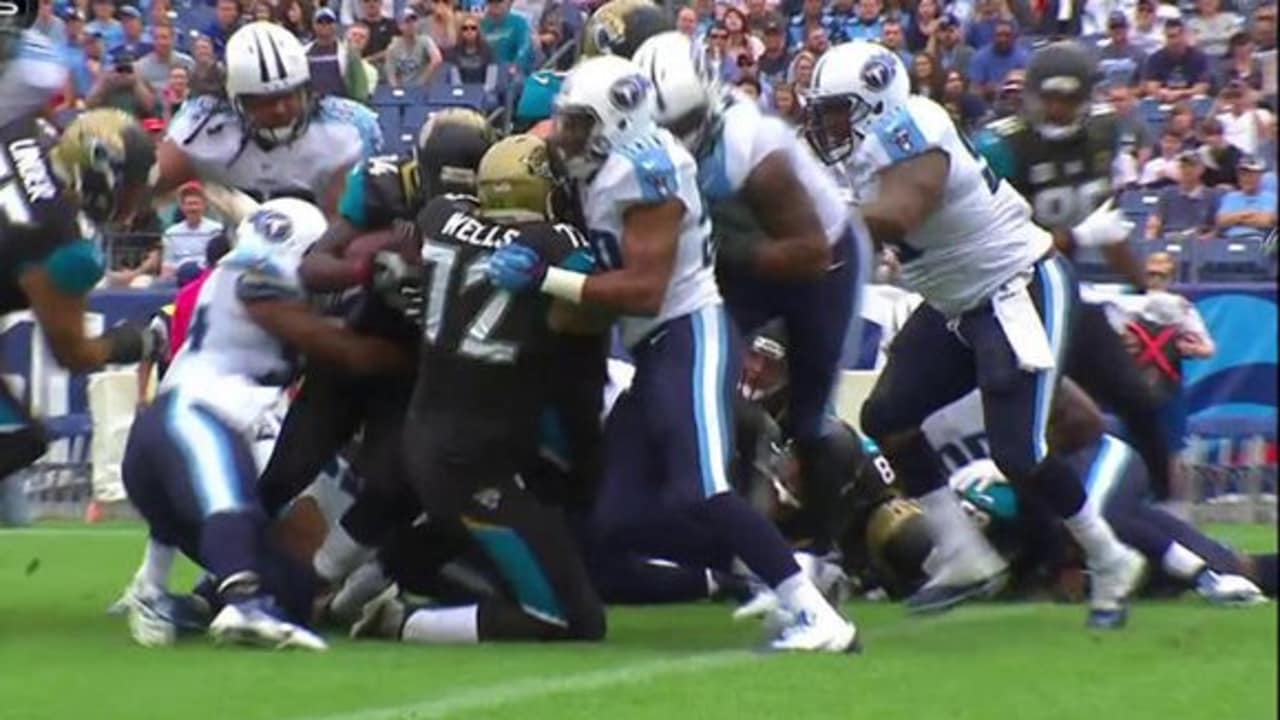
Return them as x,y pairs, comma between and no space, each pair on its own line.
484,349
36,217
1064,180
381,189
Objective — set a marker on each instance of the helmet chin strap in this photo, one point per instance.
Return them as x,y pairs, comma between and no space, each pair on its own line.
1050,131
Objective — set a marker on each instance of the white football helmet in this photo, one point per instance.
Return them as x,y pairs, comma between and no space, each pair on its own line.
264,59
687,92
854,85
604,104
279,232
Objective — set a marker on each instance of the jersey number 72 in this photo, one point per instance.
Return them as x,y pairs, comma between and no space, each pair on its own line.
477,340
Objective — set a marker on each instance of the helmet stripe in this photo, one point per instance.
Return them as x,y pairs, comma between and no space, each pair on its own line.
275,50
657,90
263,72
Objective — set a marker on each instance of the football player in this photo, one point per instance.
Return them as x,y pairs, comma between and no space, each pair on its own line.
1059,154
809,268
189,466
48,264
483,384
269,136
669,440
618,27
997,311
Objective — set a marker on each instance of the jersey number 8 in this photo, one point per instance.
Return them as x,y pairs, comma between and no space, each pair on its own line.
1069,204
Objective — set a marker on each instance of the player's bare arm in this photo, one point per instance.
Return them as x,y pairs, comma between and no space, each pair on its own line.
797,246
322,341
649,254
909,193
61,318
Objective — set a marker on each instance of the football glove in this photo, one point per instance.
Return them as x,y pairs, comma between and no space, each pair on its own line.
517,268
398,284
1104,226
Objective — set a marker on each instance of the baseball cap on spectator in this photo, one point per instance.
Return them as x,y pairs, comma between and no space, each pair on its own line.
153,125
71,13
1250,163
191,187
949,20
772,24
325,15
130,11
1117,20
1189,156
1173,24
408,15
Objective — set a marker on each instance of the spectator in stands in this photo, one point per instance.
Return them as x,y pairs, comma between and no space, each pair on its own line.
1186,208
895,39
967,110
923,25
137,39
175,91
1264,27
207,75
1162,170
1211,28
119,86
351,11
441,25
1219,157
993,62
262,12
1241,65
737,40
1134,130
135,250
758,13
95,57
382,29
869,23
155,66
1146,33
748,85
800,75
471,61
105,24
48,23
507,34
687,23
841,16
1120,61
328,57
295,17
714,51
1244,124
162,13
985,22
1247,213
412,58
817,43
786,105
1182,121
774,60
1178,70
74,55
927,78
1008,101
225,22
184,243
361,74
948,48
811,16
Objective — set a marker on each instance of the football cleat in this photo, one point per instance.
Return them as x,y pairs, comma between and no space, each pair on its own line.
1110,585
361,586
137,590
258,622
975,574
381,617
158,620
812,632
764,602
1229,590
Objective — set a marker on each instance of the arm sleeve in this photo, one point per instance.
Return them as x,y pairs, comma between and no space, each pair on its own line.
997,152
267,281
917,128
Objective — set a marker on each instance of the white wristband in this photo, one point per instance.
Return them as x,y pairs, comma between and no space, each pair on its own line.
564,284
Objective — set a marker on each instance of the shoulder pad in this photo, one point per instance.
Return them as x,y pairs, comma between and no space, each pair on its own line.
266,281
1007,126
654,170
348,112
1102,109
197,114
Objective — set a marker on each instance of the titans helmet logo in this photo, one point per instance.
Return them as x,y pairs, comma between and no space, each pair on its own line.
878,73
272,226
628,92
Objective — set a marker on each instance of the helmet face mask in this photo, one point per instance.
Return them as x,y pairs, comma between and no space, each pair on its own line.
577,141
831,126
604,104
275,119
1057,89
268,82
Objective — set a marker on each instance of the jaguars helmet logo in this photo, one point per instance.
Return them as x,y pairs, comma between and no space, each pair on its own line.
619,27
100,154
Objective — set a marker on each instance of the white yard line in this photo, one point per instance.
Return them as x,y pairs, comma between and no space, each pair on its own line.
138,531
496,695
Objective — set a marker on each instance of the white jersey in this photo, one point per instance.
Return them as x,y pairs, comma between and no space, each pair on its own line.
228,362
340,134
649,171
745,138
31,78
980,236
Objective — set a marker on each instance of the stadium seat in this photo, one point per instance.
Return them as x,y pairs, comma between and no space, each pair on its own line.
1092,266
1174,247
1153,112
1232,260
471,96
388,97
415,116
389,122
1200,106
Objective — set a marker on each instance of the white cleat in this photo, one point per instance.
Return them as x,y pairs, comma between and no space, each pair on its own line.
381,617
136,591
1229,590
256,622
808,633
762,604
361,586
1111,583
150,623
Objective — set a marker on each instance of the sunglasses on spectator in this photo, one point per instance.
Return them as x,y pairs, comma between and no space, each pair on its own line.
719,36
470,28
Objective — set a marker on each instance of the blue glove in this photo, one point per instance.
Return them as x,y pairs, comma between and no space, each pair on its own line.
517,268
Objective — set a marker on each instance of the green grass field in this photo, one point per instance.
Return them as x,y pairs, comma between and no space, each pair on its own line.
62,657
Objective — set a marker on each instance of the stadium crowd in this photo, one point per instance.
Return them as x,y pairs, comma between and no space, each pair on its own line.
1192,91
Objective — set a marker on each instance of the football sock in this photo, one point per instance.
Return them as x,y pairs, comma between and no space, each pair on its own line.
157,564
798,593
1181,563
228,543
451,626
339,555
752,537
1093,534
